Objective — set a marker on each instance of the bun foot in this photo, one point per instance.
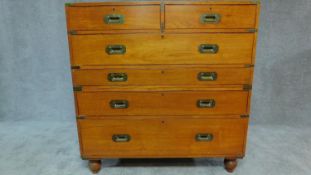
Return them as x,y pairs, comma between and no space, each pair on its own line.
230,164
95,166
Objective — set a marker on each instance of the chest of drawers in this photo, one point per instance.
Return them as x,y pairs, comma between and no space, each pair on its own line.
162,79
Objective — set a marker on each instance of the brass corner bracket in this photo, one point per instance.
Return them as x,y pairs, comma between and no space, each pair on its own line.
247,87
68,4
244,116
77,88
252,30
249,65
75,67
72,32
80,117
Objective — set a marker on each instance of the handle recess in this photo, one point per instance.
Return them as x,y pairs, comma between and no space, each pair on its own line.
121,138
207,103
206,137
208,48
207,76
210,18
116,49
119,104
114,19
117,77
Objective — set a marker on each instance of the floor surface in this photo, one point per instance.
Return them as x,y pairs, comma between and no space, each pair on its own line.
42,148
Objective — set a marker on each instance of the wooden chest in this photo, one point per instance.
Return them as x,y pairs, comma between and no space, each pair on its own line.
162,79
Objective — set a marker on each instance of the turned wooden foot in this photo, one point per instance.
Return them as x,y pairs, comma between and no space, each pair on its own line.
230,164
95,165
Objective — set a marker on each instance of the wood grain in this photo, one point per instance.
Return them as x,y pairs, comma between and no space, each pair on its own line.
212,2
188,16
92,17
163,103
166,88
148,75
165,31
153,49
113,3
163,137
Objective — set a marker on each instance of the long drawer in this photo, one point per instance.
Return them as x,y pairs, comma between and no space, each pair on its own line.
162,137
113,17
162,102
210,16
163,75
151,49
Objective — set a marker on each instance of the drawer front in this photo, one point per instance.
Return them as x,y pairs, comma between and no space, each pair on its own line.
210,16
162,137
162,103
113,17
134,49
162,76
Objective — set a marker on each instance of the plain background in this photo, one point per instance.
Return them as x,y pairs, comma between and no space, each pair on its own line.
35,80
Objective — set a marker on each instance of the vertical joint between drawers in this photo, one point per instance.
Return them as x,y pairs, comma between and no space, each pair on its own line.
162,20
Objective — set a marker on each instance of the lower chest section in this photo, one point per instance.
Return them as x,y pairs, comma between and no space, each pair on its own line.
163,137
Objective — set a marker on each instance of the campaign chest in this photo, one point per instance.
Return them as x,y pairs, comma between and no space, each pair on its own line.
162,79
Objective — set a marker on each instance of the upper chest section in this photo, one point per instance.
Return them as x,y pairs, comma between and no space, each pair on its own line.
162,15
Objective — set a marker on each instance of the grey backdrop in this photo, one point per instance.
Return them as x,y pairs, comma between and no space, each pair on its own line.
35,82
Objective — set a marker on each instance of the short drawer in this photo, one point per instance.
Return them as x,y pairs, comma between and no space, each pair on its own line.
142,49
210,16
113,17
162,102
162,137
157,76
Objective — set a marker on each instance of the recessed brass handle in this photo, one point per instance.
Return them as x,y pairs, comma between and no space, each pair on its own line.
119,104
210,18
207,103
121,138
114,19
207,76
208,48
117,77
116,49
206,137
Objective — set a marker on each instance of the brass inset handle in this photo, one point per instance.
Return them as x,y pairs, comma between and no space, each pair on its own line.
121,138
210,18
119,104
207,103
114,19
206,137
207,76
117,77
208,48
116,49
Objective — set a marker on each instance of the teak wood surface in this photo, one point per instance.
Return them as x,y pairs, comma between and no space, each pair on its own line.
231,16
163,137
157,76
154,49
92,18
163,103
